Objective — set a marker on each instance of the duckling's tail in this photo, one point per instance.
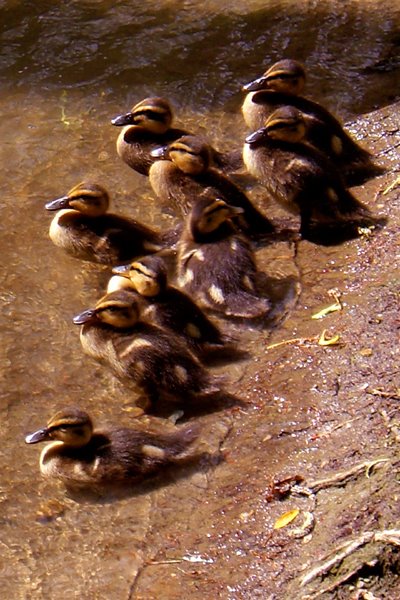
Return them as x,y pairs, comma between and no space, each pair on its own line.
183,438
246,306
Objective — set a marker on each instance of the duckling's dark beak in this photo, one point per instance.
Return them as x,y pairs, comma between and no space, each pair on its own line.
85,316
121,270
161,152
254,86
256,136
122,120
58,203
37,436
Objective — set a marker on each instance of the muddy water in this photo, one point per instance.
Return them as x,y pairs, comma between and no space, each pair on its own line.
65,70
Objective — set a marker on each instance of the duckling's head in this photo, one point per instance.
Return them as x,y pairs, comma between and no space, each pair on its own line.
119,310
208,215
71,426
148,275
285,123
190,153
86,197
153,114
286,76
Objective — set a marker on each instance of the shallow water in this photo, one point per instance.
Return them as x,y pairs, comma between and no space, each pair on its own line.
66,68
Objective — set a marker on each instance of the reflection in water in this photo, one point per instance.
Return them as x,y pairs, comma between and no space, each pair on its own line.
65,70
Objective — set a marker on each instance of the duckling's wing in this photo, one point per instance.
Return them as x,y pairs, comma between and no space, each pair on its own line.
122,239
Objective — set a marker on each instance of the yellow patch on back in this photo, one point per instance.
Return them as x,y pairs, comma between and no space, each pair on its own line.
332,195
187,277
181,373
336,144
248,283
153,451
137,343
295,163
199,254
193,331
216,294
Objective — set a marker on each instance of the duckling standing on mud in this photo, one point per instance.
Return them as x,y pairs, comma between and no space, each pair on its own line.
170,308
281,85
216,264
81,456
153,361
147,127
84,229
187,172
301,178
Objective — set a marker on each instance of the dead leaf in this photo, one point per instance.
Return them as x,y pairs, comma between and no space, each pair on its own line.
328,341
326,311
286,518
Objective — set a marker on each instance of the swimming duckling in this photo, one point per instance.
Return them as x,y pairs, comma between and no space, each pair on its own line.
147,127
79,455
154,361
281,85
300,177
187,172
84,229
216,264
170,308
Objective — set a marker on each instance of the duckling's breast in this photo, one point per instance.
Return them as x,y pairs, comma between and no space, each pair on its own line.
254,114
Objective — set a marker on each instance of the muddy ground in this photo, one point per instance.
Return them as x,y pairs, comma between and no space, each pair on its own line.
330,450
316,438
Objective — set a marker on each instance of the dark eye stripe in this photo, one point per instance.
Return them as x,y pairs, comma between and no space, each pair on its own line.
281,76
152,114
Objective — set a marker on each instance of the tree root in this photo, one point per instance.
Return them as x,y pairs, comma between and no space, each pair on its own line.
339,478
388,536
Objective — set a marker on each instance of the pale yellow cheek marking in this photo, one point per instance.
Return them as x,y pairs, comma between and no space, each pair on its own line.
332,195
137,343
96,464
336,144
153,451
234,245
216,294
192,330
181,373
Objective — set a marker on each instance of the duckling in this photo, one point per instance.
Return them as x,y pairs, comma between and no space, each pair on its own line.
216,264
170,308
281,85
300,177
187,172
148,126
155,362
84,229
83,456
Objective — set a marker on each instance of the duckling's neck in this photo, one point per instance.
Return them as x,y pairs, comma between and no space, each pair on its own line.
223,231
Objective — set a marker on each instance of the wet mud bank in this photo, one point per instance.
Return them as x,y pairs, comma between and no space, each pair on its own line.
306,502
297,493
